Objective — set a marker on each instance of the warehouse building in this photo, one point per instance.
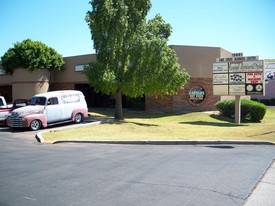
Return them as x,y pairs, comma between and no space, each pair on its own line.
197,94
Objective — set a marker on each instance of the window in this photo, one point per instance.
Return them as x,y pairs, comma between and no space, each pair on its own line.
38,101
52,101
2,72
80,67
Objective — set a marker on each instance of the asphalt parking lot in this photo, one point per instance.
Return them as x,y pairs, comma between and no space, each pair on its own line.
103,174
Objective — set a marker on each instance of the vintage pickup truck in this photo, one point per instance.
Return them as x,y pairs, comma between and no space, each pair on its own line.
5,108
50,108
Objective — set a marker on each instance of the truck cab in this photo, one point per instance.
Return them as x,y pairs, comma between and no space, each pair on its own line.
5,108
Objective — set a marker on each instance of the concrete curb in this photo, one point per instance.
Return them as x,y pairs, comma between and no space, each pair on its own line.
40,139
169,142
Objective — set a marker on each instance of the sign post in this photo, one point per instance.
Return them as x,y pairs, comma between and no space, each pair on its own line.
238,109
238,76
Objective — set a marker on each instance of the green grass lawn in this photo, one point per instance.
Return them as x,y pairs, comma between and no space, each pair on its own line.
168,126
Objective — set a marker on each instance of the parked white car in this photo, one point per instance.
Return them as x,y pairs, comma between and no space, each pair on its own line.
50,108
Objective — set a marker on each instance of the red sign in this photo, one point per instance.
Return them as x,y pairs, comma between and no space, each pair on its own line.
254,77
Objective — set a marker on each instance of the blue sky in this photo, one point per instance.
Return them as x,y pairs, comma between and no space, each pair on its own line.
246,26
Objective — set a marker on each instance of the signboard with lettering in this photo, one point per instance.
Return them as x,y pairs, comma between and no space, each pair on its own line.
254,89
220,78
269,70
220,67
80,67
239,78
254,77
231,59
237,89
196,95
269,64
253,66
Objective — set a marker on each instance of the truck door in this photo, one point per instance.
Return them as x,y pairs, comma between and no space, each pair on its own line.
53,110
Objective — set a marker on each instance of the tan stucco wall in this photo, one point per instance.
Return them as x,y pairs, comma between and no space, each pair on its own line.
5,80
26,84
198,61
69,74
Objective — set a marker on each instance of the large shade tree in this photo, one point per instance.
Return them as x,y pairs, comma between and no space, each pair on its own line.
132,54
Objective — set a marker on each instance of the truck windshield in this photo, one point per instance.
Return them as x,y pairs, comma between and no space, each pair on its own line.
38,101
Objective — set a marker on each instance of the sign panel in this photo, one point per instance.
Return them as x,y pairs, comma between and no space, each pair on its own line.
242,78
220,78
253,66
236,78
269,64
238,58
235,67
237,54
196,95
269,70
269,74
237,90
220,90
80,67
254,89
220,67
254,78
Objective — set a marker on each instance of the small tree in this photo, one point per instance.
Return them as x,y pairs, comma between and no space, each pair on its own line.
132,55
31,55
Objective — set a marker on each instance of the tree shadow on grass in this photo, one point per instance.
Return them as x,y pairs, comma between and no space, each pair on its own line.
214,124
136,123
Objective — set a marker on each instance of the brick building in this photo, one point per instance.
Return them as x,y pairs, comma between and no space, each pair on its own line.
197,94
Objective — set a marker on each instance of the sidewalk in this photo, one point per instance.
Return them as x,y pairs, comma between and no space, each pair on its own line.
264,192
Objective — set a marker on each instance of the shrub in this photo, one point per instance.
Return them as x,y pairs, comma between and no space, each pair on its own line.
250,110
31,55
257,111
226,107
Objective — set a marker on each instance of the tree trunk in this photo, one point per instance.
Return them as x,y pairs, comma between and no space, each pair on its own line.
118,109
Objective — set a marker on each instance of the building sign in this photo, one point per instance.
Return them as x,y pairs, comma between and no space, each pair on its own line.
196,95
254,77
239,76
231,59
269,70
220,90
220,78
80,67
253,66
220,67
236,90
269,64
254,89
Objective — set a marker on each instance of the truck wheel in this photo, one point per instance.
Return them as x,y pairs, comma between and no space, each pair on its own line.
35,125
78,118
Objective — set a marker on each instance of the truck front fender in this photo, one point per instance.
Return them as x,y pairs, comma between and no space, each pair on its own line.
41,117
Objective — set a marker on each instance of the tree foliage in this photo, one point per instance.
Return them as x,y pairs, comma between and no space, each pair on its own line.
132,54
31,55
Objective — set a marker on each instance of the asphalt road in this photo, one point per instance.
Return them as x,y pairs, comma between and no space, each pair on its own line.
101,174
